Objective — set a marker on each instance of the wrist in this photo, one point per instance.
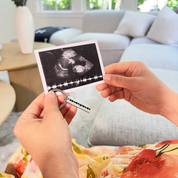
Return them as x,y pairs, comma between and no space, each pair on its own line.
170,109
63,166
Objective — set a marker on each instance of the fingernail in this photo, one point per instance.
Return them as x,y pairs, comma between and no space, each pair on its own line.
107,77
51,94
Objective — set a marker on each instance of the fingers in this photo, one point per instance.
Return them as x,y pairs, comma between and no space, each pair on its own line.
102,86
117,68
119,75
70,114
120,94
117,95
113,93
68,111
119,81
51,104
36,107
109,91
61,99
115,81
123,68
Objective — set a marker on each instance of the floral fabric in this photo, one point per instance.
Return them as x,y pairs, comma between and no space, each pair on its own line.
158,160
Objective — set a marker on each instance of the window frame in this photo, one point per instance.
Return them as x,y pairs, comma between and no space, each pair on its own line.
79,7
136,4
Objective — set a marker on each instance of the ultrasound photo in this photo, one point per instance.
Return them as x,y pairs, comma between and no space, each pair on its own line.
70,67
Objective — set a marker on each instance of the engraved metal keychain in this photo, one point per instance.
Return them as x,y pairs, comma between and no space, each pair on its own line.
72,101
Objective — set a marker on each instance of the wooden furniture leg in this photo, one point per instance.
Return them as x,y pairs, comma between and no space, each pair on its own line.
27,85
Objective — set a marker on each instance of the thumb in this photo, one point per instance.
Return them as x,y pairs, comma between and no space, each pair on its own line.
51,103
117,80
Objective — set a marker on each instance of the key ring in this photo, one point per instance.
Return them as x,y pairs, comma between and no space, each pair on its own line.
72,101
65,97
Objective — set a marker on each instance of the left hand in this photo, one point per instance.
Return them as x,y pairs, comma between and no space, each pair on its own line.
44,132
135,83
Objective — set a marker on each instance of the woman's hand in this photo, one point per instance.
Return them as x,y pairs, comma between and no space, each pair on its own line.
44,132
135,83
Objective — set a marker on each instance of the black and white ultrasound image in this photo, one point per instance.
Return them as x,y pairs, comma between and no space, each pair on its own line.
67,68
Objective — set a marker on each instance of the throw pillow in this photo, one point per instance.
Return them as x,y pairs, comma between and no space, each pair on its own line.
135,24
165,27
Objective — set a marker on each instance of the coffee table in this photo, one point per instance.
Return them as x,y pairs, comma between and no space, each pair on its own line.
23,72
7,100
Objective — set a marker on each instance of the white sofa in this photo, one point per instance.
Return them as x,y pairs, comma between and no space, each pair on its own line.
100,25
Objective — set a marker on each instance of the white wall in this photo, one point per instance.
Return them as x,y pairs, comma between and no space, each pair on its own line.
58,20
73,20
7,9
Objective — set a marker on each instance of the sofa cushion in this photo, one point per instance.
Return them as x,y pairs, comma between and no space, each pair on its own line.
153,55
105,40
142,40
101,21
64,36
120,123
165,28
110,45
134,24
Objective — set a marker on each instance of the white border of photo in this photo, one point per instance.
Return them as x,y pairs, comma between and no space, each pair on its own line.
66,46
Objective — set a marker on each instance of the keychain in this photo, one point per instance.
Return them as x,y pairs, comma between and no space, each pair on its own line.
72,101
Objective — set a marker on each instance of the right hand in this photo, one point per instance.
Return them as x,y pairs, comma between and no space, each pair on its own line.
135,83
44,132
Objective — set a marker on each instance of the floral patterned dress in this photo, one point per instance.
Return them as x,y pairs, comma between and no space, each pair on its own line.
158,160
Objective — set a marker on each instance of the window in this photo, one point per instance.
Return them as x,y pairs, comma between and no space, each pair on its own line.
55,5
103,4
58,5
156,5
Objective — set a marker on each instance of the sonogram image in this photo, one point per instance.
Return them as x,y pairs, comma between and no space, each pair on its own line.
70,67
70,63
